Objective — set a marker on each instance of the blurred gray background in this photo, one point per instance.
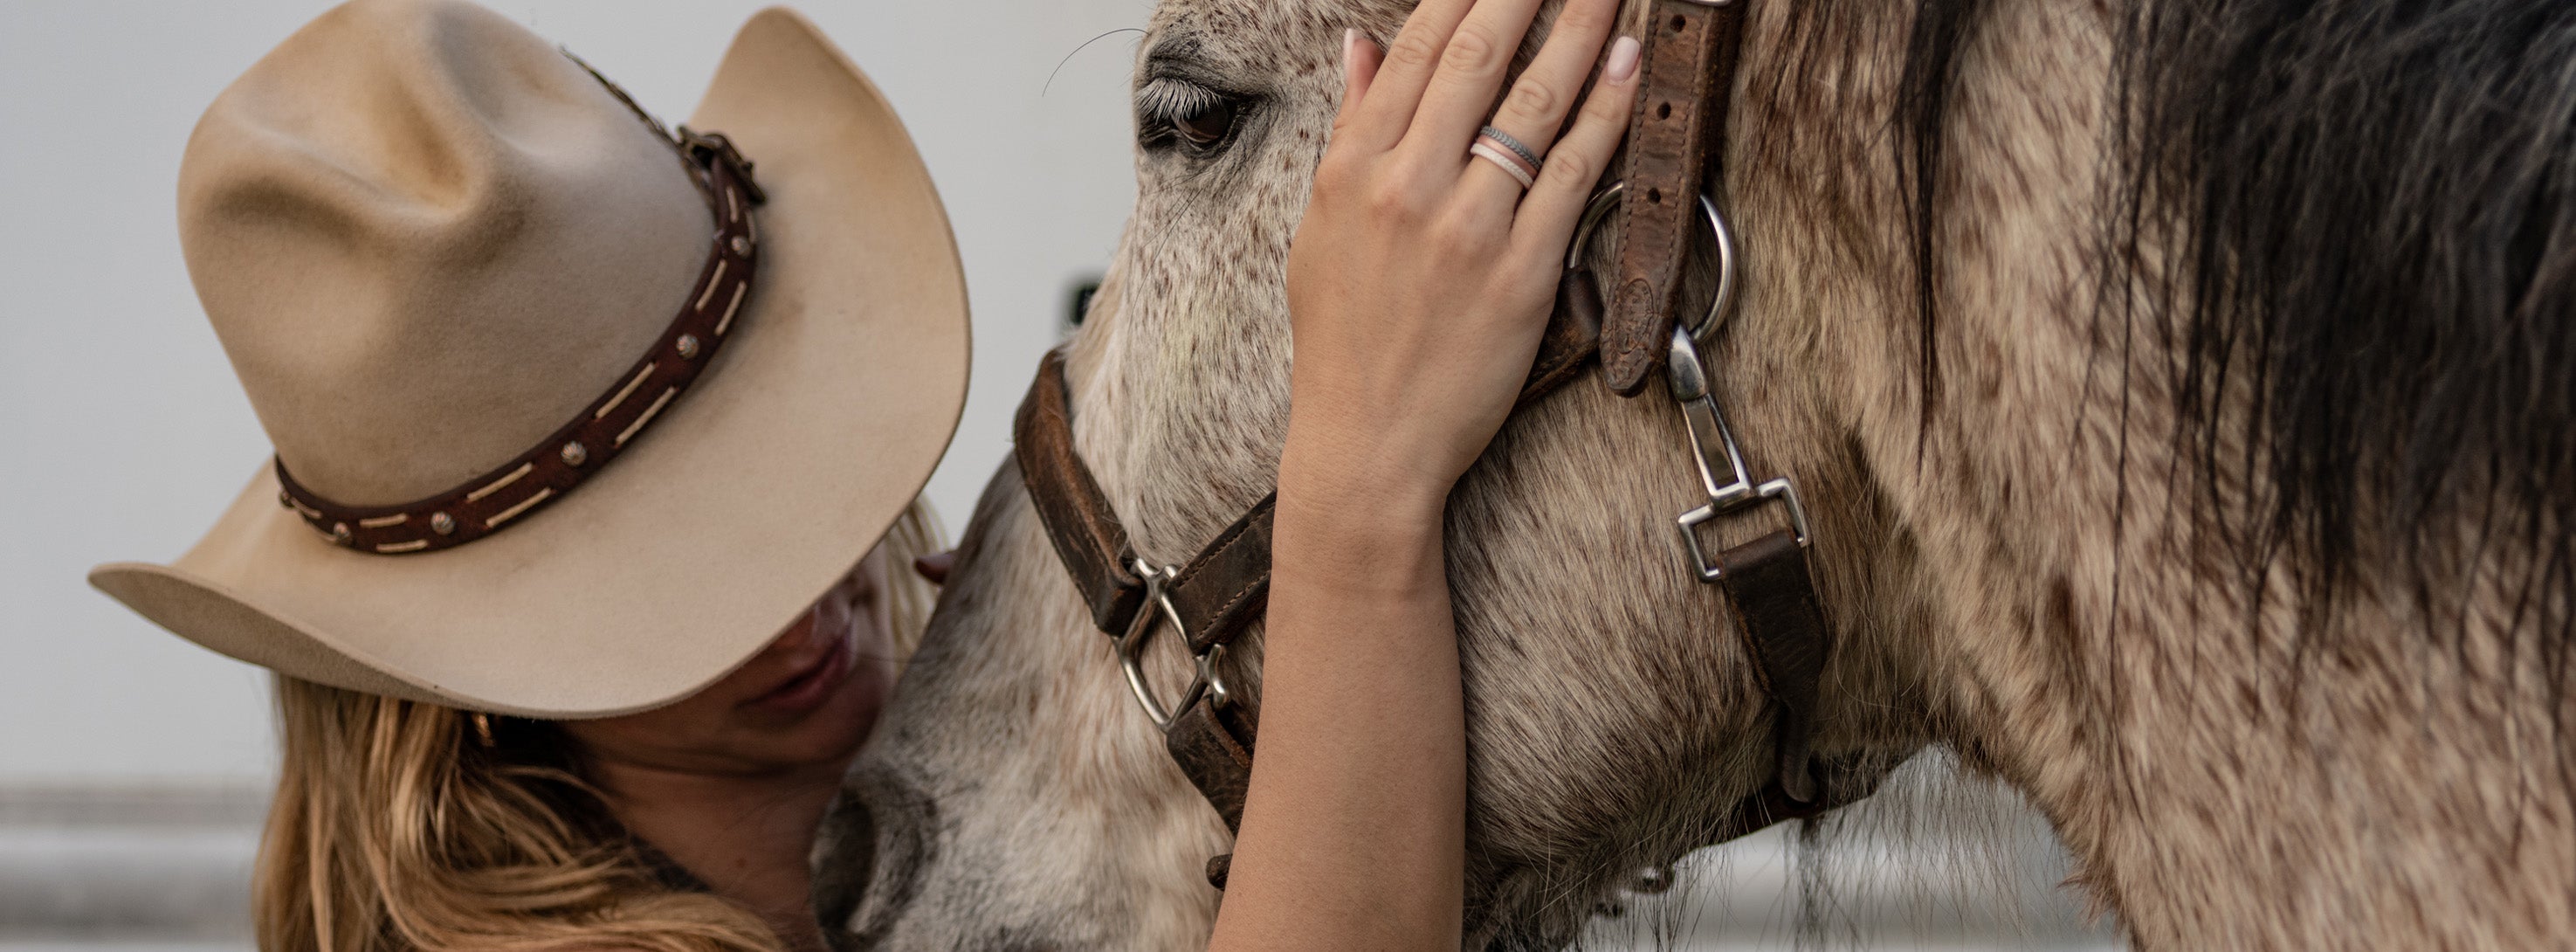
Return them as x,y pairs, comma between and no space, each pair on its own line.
134,766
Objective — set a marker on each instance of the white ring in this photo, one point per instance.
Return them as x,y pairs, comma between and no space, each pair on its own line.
1510,164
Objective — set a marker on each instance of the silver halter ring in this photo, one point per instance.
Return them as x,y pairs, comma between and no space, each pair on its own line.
1607,200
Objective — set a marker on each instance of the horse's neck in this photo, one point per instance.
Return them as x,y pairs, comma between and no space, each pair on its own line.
2227,779
2235,781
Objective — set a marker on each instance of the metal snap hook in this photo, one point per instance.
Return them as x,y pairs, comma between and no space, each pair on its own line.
1723,478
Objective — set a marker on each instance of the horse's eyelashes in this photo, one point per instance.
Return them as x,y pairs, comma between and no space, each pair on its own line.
1168,98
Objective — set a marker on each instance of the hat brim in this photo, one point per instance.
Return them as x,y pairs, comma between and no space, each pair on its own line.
818,424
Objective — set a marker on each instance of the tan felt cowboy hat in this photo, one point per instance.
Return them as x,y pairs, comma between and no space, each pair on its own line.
445,261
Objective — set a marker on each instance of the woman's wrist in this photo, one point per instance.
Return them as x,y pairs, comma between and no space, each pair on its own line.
1363,460
1349,523
1372,484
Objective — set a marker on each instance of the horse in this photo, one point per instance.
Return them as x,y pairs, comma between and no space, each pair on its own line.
2181,395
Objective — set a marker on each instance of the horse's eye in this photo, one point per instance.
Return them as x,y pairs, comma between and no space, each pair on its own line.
1169,110
1207,125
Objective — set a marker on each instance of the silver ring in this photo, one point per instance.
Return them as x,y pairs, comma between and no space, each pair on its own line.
1518,148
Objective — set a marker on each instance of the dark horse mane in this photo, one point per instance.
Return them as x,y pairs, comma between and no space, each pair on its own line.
2365,210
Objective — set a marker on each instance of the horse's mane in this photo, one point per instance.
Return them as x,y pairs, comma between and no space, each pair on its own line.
2366,212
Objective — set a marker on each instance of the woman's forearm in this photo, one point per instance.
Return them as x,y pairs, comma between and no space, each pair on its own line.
1354,833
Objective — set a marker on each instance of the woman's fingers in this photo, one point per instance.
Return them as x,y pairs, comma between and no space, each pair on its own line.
1548,213
1396,86
1461,91
1540,98
1545,91
1360,59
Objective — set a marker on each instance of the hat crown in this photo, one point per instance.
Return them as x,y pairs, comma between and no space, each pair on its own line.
427,239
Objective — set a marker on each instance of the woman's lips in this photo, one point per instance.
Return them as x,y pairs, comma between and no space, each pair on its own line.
808,687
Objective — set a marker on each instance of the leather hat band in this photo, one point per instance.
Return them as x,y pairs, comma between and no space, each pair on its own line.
509,493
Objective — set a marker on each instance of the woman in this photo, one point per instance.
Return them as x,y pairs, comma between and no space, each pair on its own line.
523,557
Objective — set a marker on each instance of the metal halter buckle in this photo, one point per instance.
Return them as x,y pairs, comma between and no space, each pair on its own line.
1713,449
1157,606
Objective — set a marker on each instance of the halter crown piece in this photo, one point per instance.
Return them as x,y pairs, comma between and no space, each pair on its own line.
495,500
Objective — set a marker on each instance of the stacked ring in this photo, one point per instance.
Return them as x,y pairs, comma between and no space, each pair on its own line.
1496,146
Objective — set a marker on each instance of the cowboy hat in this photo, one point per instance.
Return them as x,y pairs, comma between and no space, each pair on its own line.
444,259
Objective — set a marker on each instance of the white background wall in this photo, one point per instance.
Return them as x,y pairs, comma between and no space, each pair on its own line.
122,433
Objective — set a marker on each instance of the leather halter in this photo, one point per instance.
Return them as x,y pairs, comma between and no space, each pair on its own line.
1210,731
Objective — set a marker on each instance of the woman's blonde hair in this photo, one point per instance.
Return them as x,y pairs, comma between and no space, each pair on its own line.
396,828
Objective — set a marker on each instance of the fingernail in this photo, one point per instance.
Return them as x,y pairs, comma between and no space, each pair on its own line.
1623,61
935,566
1350,45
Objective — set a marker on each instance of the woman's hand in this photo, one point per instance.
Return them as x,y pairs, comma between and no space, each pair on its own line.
1422,277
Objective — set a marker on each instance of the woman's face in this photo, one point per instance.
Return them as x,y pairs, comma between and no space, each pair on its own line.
806,700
